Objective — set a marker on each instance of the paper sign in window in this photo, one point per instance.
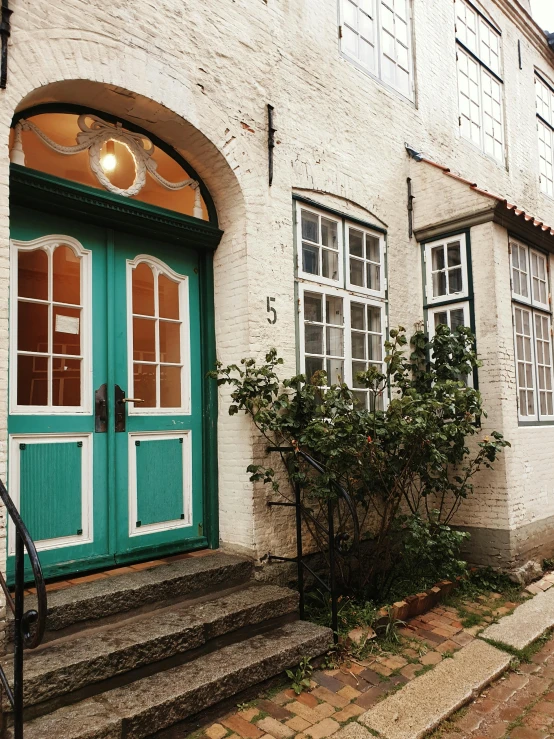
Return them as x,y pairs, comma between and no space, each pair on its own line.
67,325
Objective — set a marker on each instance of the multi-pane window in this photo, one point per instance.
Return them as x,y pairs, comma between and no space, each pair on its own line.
446,267
342,319
447,290
479,83
365,261
376,34
158,338
320,255
448,315
50,327
545,129
532,333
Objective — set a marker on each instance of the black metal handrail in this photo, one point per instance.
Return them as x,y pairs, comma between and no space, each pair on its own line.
334,541
29,625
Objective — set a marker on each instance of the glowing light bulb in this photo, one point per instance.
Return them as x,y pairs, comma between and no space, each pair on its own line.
109,161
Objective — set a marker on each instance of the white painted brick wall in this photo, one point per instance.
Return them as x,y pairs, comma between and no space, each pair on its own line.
209,69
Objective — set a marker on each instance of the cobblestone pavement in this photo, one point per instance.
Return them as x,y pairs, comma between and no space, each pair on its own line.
338,696
518,706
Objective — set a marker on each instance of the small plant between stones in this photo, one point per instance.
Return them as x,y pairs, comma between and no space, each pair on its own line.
300,678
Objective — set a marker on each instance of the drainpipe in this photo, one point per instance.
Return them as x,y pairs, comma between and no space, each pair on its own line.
4,35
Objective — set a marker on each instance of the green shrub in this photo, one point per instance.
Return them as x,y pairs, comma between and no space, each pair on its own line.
407,467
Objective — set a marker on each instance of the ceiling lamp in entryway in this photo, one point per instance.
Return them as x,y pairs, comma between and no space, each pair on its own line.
112,150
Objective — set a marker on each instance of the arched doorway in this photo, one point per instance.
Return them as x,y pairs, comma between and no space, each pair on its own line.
111,337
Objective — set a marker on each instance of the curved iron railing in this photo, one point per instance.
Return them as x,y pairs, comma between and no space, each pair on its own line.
336,542
29,625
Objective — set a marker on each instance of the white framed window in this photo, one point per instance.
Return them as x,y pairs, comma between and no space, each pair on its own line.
51,331
365,251
545,132
446,269
320,248
451,315
532,333
158,338
376,34
342,335
529,273
480,92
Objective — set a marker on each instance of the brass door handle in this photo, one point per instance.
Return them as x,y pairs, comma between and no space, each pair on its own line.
132,400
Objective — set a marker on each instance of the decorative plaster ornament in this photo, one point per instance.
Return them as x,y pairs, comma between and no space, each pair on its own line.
93,137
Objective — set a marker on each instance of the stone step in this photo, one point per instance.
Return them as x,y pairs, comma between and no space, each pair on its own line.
157,702
72,663
92,601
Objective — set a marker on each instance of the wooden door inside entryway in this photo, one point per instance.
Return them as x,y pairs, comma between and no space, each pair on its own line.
105,422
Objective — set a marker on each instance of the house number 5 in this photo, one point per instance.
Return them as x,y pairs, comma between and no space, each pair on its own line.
271,309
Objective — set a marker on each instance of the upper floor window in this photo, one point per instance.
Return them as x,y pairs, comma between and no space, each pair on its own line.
479,81
446,269
545,128
376,34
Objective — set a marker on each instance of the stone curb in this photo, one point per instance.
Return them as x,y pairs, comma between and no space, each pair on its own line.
423,704
431,698
525,625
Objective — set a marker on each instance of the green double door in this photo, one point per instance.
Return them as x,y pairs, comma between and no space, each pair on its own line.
105,406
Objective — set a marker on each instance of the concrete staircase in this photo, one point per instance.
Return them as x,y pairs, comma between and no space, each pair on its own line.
132,655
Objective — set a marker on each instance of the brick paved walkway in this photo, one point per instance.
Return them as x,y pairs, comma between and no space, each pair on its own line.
518,706
338,696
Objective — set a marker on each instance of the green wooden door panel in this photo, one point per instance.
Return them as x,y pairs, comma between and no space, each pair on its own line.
50,489
159,480
27,225
183,262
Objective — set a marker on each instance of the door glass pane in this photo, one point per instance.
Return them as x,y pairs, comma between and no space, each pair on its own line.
168,295
33,274
66,330
170,387
32,380
170,342
145,384
144,340
143,290
66,279
32,327
66,382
